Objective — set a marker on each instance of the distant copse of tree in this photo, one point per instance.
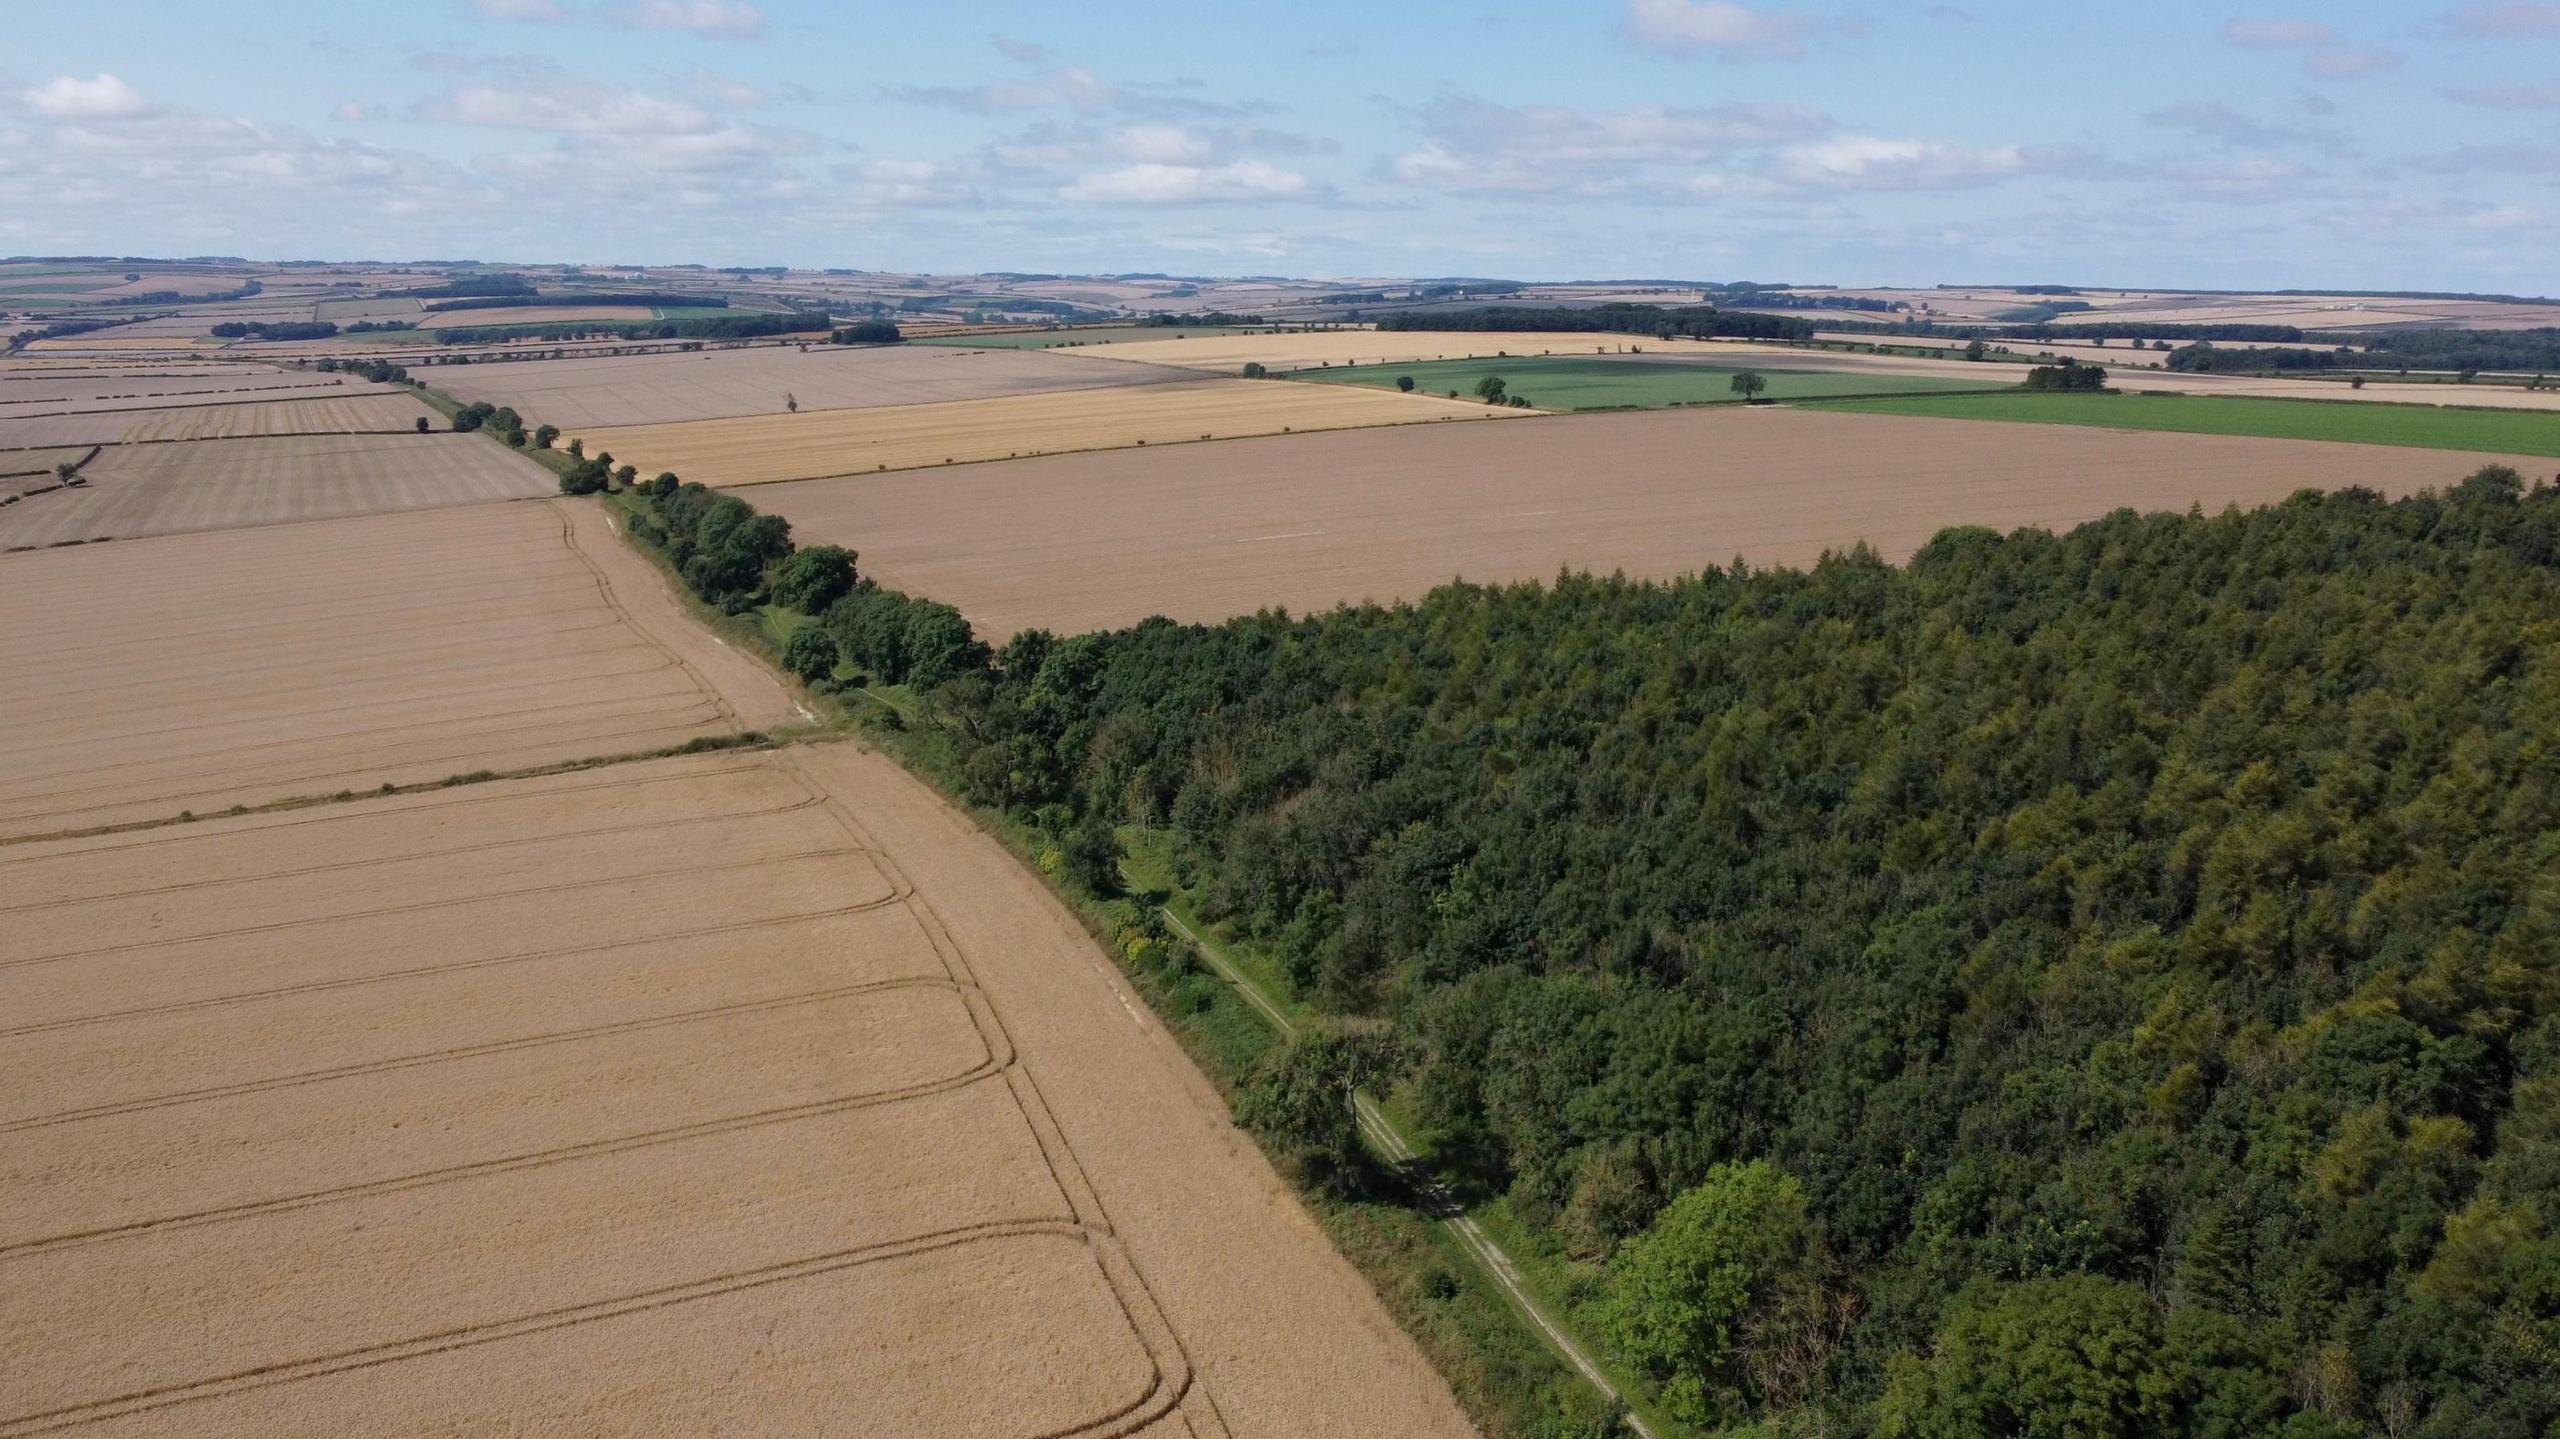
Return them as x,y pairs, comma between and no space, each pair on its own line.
866,332
582,300
1692,321
2069,375
274,330
742,326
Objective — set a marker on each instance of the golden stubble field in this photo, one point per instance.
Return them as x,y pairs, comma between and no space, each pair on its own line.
767,448
747,1092
584,393
194,672
656,1100
1309,521
156,489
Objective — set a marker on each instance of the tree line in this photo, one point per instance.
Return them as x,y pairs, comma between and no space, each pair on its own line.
1617,317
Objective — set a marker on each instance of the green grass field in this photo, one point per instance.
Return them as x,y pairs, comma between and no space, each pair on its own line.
1571,382
1089,335
2432,427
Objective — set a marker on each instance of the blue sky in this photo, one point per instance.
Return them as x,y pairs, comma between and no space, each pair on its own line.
2178,142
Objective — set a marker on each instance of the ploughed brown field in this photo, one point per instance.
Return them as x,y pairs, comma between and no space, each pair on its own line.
758,449
1084,542
137,490
577,394
195,672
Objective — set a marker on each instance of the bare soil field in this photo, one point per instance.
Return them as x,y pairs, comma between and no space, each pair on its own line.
578,394
196,672
1308,348
137,490
740,1093
1309,521
762,449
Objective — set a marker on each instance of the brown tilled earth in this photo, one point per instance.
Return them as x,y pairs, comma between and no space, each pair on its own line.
754,1092
167,489
579,394
200,671
1085,542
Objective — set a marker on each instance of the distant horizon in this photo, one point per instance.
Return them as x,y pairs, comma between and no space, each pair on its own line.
2364,145
1228,277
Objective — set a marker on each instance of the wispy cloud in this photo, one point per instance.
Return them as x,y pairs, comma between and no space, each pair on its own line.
2509,97
735,19
1867,162
1719,28
2325,56
2500,18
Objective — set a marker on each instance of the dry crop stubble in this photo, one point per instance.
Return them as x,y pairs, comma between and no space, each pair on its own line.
341,655
837,1195
764,449
585,393
1309,521
136,491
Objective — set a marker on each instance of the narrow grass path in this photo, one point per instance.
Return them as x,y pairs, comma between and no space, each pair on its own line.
1437,1202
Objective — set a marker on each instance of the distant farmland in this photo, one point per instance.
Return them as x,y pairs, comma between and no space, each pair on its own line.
1307,521
759,449
2433,427
1591,382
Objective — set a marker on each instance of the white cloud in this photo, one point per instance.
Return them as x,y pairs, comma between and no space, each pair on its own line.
352,112
580,111
2285,34
2509,97
2503,217
1163,145
1474,145
734,18
1149,183
66,97
1733,31
2343,63
2507,17
520,9
1866,162
713,88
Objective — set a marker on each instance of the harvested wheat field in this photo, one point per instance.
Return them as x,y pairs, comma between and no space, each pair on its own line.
1309,521
1307,349
353,415
577,394
767,448
137,490
739,1093
80,391
195,672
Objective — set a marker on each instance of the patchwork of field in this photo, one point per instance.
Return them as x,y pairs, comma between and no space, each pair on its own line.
344,311
1308,349
1309,521
1585,382
200,671
137,490
2437,427
355,414
577,394
764,449
1081,335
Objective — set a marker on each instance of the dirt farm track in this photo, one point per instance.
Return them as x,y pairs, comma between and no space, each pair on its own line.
754,1091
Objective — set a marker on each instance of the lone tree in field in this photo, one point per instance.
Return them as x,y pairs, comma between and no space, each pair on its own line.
1490,389
1975,350
422,424
1749,384
1405,383
1255,370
